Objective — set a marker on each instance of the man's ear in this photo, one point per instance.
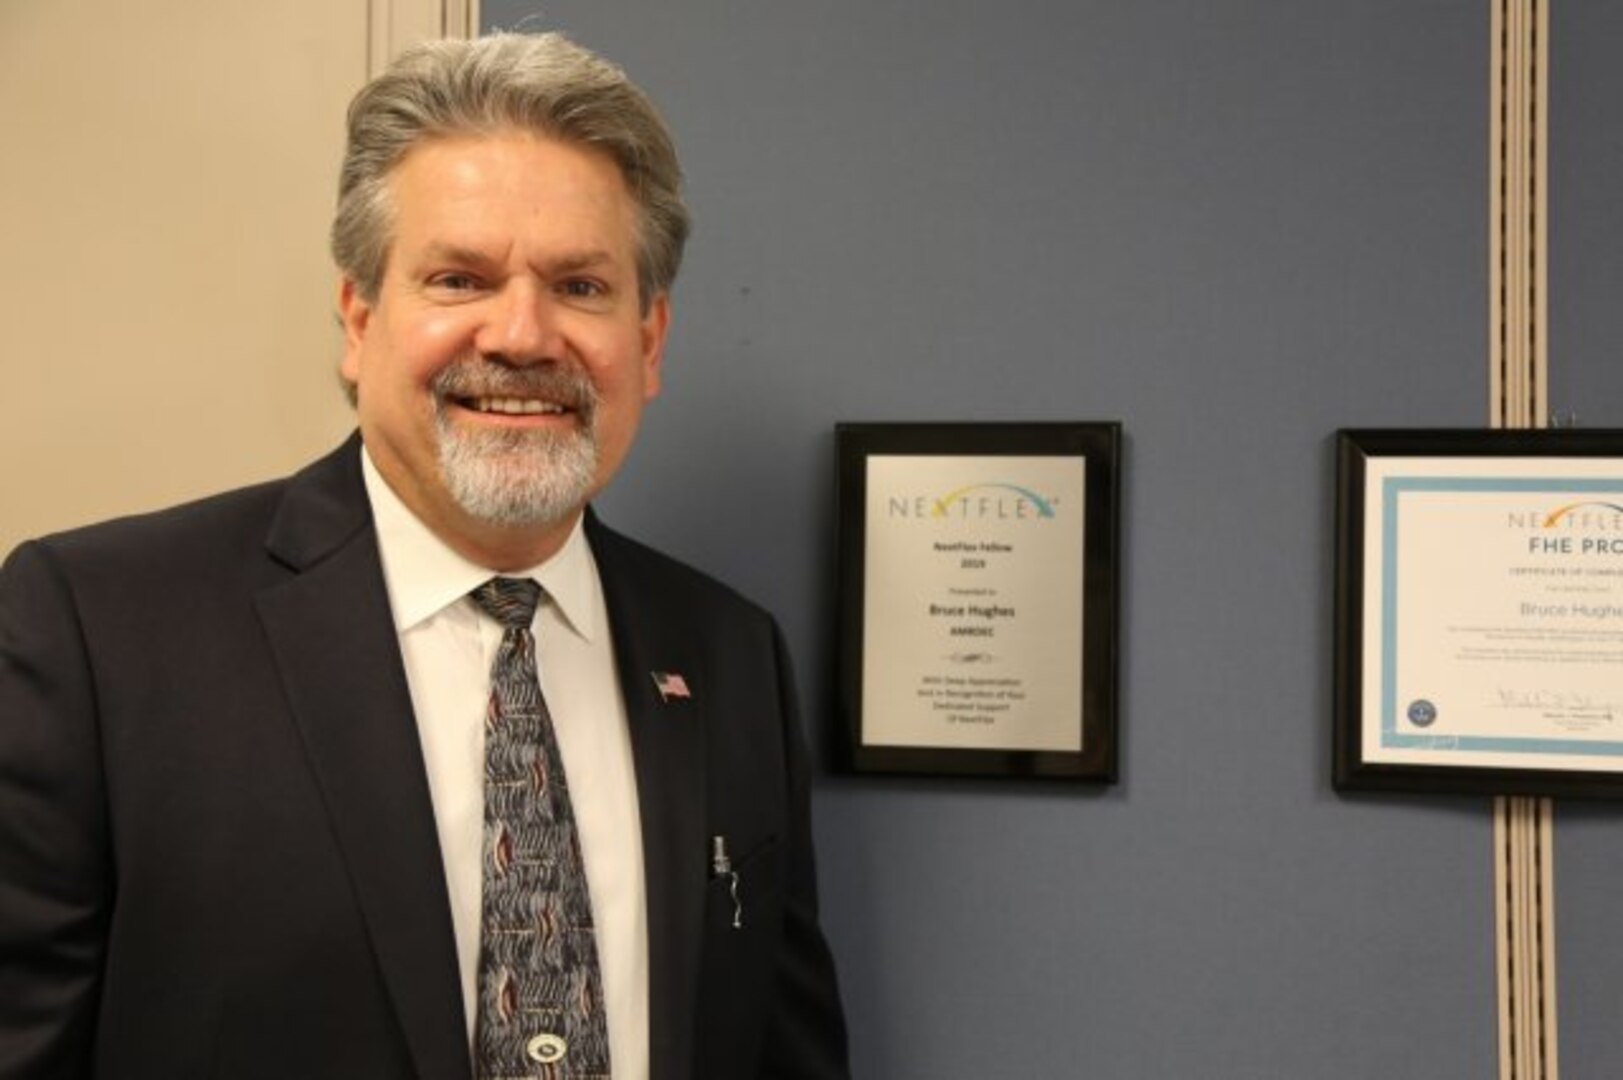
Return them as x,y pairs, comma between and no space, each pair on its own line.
354,312
656,324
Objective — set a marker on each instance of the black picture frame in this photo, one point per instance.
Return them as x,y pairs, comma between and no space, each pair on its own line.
1086,746
1440,581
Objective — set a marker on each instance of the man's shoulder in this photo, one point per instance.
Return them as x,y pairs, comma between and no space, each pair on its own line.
190,538
193,540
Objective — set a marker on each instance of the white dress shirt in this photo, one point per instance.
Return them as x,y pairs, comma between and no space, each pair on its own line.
449,647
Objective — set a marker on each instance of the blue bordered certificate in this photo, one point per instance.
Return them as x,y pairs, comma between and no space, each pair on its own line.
1490,612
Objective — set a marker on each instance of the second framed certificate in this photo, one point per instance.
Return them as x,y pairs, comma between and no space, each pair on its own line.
1479,592
978,598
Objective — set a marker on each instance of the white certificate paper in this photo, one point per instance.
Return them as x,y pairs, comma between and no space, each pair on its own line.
972,607
1493,601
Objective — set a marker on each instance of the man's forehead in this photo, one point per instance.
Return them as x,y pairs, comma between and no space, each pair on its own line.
451,149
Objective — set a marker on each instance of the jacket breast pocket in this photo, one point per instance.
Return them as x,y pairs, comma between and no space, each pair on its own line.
743,893
743,931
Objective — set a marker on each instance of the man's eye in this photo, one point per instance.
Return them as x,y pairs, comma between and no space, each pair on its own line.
454,282
584,288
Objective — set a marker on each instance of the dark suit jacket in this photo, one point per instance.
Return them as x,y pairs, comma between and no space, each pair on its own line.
217,849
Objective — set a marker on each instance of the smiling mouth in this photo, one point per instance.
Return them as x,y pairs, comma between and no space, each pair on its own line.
499,395
510,406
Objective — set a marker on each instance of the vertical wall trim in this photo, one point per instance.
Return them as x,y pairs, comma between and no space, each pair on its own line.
391,25
1524,907
1518,195
1518,301
460,18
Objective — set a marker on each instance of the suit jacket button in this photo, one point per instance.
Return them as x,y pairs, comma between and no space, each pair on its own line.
546,1048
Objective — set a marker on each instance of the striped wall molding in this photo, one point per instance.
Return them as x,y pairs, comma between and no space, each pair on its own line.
1518,304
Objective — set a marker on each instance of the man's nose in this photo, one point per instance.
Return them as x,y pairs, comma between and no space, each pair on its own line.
523,326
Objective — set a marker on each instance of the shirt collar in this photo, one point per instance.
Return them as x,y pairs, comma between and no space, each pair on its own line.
424,575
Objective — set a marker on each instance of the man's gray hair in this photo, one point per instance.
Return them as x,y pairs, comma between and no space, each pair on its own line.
543,84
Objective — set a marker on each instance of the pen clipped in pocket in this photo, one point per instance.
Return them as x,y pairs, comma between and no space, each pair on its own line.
727,871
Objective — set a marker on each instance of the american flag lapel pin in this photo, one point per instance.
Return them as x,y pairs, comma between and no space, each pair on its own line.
671,685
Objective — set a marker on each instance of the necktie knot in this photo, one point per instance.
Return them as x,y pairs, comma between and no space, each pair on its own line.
510,601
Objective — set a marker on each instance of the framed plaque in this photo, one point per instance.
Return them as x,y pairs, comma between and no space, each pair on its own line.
978,598
1479,599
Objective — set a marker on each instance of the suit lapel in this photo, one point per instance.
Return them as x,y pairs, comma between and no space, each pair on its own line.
332,635
667,744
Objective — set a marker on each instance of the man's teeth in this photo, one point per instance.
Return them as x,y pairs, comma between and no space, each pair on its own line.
515,406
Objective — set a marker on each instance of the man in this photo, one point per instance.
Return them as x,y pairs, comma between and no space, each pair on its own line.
253,818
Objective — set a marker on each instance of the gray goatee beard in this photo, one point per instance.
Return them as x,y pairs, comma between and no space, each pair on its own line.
512,477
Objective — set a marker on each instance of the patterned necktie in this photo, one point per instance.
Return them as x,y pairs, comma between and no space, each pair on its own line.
540,991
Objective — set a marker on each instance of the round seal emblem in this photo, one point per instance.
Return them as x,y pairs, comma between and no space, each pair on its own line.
1422,713
546,1048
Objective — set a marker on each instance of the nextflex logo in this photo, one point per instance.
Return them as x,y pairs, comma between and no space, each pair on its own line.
1579,514
977,502
1580,528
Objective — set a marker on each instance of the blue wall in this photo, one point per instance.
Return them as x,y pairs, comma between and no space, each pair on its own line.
1234,228
1586,382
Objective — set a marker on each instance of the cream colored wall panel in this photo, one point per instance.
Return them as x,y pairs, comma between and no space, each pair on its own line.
169,170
